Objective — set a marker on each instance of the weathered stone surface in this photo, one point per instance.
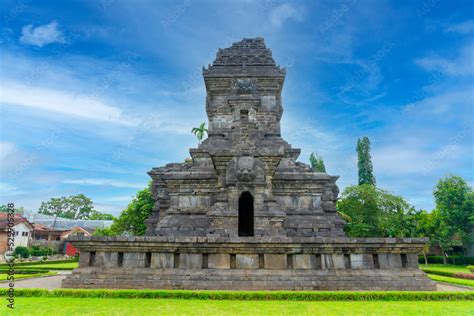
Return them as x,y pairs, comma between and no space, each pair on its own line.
303,261
162,260
362,261
190,261
246,262
338,261
412,260
275,261
327,261
219,261
390,261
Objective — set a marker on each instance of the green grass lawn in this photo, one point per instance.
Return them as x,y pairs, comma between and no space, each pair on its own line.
51,266
446,268
445,279
98,306
3,276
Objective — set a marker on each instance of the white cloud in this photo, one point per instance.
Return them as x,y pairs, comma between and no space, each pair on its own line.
109,209
42,35
460,66
465,27
283,13
66,103
10,158
452,102
401,159
119,198
9,190
6,150
105,182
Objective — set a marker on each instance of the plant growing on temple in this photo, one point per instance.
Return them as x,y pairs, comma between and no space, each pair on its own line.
200,131
317,163
364,164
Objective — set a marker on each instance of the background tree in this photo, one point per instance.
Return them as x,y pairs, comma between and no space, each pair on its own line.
364,164
101,216
132,220
17,210
317,163
454,200
72,207
373,212
200,131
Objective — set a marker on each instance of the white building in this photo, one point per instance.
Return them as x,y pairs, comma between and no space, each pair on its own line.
23,233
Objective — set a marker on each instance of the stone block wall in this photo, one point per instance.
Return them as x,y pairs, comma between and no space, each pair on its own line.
203,263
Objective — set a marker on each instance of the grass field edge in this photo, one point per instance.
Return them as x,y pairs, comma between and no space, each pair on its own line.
248,295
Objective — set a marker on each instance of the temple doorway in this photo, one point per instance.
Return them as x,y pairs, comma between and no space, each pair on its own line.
246,214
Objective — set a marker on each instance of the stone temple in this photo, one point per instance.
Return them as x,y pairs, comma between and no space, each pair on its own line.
244,214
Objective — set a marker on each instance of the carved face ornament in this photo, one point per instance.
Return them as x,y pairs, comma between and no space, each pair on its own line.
243,86
246,169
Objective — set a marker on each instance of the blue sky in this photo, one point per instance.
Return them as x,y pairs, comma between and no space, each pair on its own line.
96,93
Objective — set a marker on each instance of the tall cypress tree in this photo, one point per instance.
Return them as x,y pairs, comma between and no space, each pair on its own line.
366,172
317,163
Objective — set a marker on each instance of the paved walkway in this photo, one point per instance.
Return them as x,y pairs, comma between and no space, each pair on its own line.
444,287
54,282
46,282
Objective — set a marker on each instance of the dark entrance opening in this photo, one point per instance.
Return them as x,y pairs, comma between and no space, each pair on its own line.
246,214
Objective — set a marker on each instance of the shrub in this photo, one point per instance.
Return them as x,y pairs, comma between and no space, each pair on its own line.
249,295
456,260
75,259
42,251
24,271
445,279
21,252
458,275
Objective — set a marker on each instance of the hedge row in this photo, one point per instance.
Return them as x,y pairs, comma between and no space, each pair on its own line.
456,260
25,271
457,281
458,275
48,268
29,263
248,295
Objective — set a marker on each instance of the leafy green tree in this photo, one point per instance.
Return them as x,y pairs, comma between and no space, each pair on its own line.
200,131
372,212
107,231
424,227
317,163
101,216
132,220
17,210
72,207
454,200
364,164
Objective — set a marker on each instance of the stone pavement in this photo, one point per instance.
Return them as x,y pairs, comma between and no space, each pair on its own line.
47,282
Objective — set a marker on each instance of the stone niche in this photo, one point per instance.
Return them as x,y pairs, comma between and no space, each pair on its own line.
244,213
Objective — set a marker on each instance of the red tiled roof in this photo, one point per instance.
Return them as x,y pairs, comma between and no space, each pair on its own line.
17,220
